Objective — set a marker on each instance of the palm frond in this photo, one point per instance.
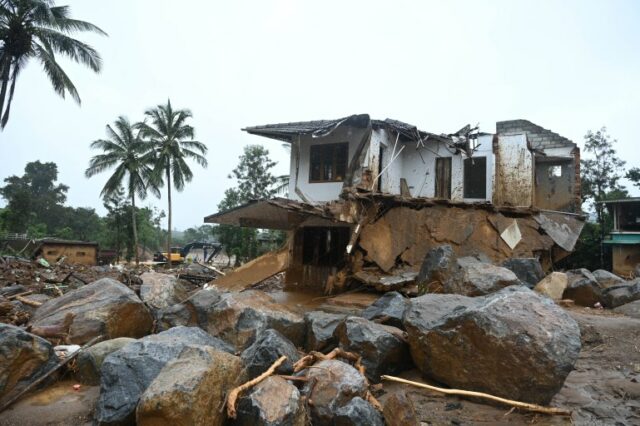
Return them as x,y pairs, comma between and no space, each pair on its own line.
75,49
59,79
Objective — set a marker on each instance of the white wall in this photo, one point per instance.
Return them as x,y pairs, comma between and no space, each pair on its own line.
514,173
325,191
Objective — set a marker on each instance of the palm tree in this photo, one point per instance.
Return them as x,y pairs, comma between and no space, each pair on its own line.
36,29
173,145
133,160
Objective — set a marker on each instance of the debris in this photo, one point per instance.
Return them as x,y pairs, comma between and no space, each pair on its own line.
523,405
233,395
27,301
511,235
161,290
48,373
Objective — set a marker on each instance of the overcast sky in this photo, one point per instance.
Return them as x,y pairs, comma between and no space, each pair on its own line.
569,66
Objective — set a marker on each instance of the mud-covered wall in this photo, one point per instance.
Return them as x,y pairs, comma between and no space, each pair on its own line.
403,236
625,259
514,172
83,254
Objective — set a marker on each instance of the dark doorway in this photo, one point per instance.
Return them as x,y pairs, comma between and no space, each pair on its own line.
475,177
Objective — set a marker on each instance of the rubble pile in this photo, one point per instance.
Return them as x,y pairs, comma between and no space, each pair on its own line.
172,351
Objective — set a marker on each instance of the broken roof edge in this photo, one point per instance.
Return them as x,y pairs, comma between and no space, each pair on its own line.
318,128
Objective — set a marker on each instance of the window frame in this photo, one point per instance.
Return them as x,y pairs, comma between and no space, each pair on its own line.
334,147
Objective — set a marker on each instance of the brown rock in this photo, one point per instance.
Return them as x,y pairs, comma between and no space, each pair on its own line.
190,389
272,402
553,285
399,411
104,307
161,290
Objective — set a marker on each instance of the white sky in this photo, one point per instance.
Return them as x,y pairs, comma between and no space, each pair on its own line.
568,66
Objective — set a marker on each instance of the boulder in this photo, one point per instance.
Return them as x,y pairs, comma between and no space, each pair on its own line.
24,358
470,277
631,309
399,411
389,309
320,327
126,374
382,347
105,307
90,360
619,295
175,315
239,317
202,303
265,350
553,285
334,384
528,270
190,389
358,412
436,268
513,343
582,288
161,290
272,402
606,279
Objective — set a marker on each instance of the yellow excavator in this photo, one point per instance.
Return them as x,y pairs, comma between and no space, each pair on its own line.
179,254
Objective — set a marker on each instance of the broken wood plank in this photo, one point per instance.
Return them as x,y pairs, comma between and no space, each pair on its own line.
253,272
517,404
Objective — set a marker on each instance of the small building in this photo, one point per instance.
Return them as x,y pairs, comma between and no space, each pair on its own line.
624,239
53,249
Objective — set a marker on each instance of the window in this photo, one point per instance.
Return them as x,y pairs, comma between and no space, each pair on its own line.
51,252
555,171
475,177
328,162
80,253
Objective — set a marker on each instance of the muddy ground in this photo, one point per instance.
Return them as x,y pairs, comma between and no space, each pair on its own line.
604,388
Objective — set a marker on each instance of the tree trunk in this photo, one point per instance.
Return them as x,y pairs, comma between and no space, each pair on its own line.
135,228
169,216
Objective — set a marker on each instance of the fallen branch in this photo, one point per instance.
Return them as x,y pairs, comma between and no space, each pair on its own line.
313,357
26,293
28,301
235,392
49,373
216,270
517,404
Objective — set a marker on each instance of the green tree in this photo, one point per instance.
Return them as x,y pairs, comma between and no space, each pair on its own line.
173,144
132,159
34,198
37,29
601,173
633,174
255,181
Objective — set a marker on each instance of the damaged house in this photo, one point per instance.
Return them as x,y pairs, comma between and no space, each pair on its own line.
368,198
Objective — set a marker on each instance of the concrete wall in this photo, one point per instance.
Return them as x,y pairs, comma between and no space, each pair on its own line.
513,185
83,254
325,191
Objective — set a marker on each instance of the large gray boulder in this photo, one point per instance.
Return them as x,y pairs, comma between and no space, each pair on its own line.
320,327
127,373
333,384
631,309
239,317
382,347
358,412
436,269
528,270
190,389
583,288
24,358
90,360
606,279
512,343
470,277
272,402
161,290
265,350
389,309
105,307
622,294
175,315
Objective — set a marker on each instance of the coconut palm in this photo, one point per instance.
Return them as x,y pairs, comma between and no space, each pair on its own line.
37,29
173,143
133,160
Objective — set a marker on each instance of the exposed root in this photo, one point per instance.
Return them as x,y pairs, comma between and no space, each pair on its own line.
235,392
